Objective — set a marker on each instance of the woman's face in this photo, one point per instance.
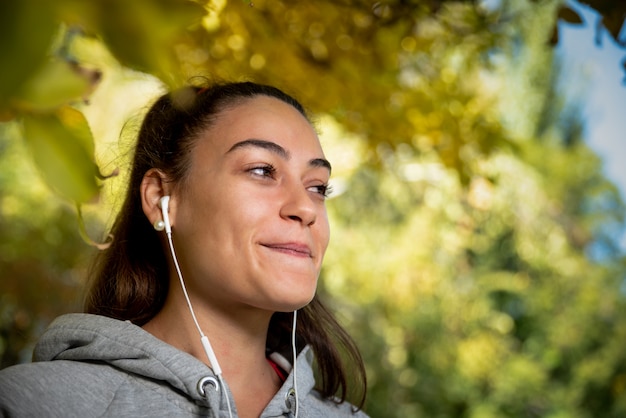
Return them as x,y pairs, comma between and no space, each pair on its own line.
250,225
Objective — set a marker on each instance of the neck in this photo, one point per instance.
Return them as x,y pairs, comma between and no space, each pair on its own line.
238,338
239,334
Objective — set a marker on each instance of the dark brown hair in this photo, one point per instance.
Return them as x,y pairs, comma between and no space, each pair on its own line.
129,280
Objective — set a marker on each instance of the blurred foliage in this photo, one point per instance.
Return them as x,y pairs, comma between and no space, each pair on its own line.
474,253
329,42
480,301
612,14
42,258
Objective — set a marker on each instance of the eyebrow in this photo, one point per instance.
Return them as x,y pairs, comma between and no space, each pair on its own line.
278,150
320,162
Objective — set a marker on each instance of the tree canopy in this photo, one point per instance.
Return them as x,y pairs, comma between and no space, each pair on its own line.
474,255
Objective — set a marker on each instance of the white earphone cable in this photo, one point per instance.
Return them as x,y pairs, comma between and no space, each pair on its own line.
182,283
295,370
206,344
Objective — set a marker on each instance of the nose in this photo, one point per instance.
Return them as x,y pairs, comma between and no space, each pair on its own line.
299,206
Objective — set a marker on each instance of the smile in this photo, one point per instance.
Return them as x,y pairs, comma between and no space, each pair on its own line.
291,248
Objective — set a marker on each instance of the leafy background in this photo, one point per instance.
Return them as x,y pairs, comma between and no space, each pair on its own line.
474,254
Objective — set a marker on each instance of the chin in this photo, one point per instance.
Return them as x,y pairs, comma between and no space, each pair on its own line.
294,293
292,304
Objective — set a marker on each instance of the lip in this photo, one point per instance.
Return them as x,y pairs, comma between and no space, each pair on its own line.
296,249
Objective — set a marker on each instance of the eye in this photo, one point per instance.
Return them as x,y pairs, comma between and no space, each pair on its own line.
265,170
323,189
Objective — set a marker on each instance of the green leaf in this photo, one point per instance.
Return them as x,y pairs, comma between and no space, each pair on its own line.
55,84
142,34
62,147
26,31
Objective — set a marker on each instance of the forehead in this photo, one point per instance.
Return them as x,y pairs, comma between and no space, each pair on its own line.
265,118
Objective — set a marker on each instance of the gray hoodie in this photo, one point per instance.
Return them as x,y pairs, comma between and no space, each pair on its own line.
93,366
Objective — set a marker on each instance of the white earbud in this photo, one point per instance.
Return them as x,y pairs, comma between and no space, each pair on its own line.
164,204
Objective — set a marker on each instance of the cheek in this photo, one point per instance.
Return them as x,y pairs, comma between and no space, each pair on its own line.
324,232
250,211
235,206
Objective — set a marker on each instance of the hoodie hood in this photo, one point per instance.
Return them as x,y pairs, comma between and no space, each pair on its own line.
127,347
93,338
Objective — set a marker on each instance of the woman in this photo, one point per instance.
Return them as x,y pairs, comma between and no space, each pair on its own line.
207,291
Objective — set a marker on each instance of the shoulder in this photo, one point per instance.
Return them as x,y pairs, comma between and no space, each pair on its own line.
66,388
54,388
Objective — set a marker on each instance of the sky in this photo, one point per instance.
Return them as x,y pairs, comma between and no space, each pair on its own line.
595,73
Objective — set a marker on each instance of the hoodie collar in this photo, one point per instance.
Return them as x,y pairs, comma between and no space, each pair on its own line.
86,337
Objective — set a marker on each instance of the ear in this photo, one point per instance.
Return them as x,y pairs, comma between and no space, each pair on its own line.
153,187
